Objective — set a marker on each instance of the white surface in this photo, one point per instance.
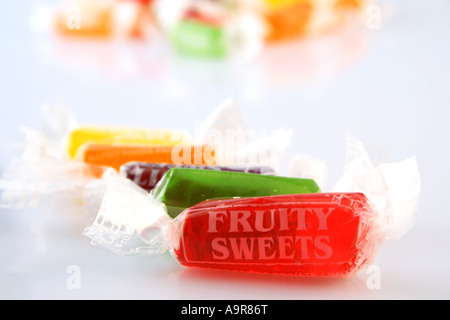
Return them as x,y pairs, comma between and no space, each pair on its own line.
389,87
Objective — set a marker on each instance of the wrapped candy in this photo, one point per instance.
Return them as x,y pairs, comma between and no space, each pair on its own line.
77,161
197,35
290,19
333,234
212,28
114,146
63,139
181,188
98,18
224,138
52,165
110,135
287,19
116,155
321,234
104,18
147,175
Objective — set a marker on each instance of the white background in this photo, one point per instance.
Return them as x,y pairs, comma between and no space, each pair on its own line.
389,87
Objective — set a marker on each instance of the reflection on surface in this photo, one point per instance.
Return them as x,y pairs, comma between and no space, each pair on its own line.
263,286
316,59
121,60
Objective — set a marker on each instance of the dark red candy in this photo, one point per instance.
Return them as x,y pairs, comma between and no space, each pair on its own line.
147,175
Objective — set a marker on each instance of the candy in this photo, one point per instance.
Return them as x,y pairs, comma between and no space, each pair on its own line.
333,234
212,28
85,18
199,38
181,188
305,234
147,175
104,19
322,234
142,18
116,155
109,135
290,19
200,29
348,4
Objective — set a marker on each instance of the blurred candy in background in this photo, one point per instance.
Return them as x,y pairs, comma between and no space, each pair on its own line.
104,18
183,43
290,19
211,28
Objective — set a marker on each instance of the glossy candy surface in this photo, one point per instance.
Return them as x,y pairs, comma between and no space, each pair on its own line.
116,155
110,135
199,38
322,234
147,175
181,188
84,18
290,19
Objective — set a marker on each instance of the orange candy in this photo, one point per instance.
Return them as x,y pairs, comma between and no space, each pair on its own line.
290,19
85,18
289,22
117,155
348,4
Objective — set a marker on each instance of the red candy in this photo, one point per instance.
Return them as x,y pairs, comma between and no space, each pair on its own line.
327,234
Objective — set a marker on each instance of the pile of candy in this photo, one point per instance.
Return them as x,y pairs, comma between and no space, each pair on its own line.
162,190
212,28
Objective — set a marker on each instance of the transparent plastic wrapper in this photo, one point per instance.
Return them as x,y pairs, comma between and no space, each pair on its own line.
64,157
58,165
223,138
394,188
237,143
303,166
60,187
51,173
332,234
44,178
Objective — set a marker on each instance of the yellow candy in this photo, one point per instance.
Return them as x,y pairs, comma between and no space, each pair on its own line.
110,135
277,4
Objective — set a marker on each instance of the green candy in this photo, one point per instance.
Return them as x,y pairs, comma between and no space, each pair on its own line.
182,188
199,39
